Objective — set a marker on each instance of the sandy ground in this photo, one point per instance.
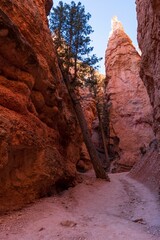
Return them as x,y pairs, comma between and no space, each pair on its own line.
93,210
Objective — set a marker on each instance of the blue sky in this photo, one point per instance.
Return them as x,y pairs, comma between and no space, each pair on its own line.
102,11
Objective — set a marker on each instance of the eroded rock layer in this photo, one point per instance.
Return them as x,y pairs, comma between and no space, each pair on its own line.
39,135
130,111
148,14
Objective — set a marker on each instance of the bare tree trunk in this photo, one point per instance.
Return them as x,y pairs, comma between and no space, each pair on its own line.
98,168
104,142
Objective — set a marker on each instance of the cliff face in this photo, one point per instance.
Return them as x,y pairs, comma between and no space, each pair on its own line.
130,111
148,14
39,135
149,42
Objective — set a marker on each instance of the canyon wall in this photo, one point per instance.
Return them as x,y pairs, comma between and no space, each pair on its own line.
148,15
130,108
39,134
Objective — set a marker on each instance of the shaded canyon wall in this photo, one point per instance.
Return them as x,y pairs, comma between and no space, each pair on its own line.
148,15
39,134
130,111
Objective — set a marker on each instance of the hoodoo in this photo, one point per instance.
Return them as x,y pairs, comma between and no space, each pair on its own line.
130,111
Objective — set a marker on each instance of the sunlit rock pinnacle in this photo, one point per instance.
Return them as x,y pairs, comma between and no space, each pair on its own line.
116,24
130,111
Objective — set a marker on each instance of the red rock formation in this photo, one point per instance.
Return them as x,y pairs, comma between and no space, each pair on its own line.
148,14
39,135
130,112
148,38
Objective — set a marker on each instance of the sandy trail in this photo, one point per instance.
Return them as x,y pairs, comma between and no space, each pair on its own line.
93,210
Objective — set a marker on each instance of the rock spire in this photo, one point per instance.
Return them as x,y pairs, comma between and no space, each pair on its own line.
131,112
116,24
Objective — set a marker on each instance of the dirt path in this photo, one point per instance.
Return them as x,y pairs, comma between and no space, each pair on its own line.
93,210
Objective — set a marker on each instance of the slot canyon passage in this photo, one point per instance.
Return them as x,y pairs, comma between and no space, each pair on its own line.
48,189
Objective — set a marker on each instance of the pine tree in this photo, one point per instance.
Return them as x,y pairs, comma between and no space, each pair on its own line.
69,23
